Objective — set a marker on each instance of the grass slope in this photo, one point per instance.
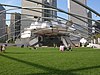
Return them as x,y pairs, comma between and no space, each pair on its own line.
50,61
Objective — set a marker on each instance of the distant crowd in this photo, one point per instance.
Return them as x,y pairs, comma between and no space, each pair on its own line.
61,48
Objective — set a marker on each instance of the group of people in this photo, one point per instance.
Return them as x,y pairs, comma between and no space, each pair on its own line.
2,48
63,48
30,47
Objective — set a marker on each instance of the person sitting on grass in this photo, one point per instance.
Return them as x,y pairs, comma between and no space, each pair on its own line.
3,48
62,47
22,46
69,47
32,47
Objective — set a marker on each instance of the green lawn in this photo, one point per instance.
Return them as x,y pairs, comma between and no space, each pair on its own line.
50,61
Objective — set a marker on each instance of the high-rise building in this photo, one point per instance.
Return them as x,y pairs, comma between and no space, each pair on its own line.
97,26
90,23
75,8
15,25
2,24
29,19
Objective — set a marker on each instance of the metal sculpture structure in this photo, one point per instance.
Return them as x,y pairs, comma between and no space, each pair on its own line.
54,26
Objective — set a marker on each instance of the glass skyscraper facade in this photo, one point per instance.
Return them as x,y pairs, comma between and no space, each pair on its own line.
27,20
